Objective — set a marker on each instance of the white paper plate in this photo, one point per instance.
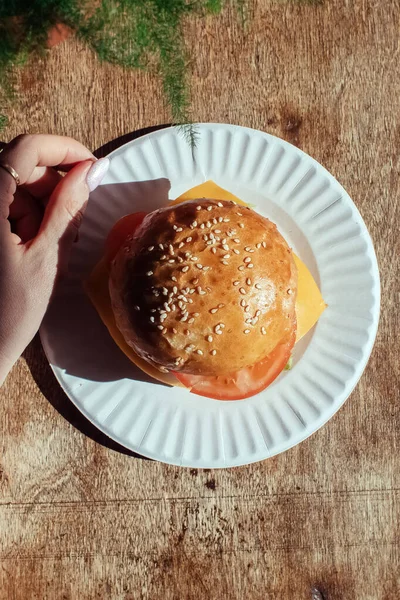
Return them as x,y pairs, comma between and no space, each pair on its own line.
316,217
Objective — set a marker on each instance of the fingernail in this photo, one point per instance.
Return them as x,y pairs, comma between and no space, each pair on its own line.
96,173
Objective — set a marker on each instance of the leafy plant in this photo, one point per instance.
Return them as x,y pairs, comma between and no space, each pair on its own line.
143,34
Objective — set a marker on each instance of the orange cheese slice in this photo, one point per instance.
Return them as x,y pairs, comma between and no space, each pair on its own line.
309,303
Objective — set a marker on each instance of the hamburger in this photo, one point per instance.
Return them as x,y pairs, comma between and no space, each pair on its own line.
204,294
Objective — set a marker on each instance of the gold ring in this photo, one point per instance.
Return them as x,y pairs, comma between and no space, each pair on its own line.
11,171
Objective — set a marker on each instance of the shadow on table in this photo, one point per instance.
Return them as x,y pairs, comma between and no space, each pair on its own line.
74,318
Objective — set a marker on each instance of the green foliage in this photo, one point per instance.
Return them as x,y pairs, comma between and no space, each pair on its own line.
143,34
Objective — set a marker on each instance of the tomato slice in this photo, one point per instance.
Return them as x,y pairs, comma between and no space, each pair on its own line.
246,382
118,234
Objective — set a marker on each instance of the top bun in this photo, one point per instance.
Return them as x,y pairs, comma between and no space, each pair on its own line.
205,287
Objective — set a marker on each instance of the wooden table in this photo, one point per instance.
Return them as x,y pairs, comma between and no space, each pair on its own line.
80,519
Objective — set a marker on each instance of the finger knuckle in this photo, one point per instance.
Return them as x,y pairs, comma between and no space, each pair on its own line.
75,218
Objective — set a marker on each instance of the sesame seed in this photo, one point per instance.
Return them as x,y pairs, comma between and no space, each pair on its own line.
248,321
221,305
179,230
246,331
160,327
136,307
215,221
199,352
258,286
236,251
171,260
264,244
209,243
181,244
180,260
289,291
248,281
199,266
209,208
263,330
247,248
163,257
166,306
149,273
189,239
161,246
213,352
236,282
220,219
242,291
184,318
220,204
163,369
224,262
173,278
171,249
217,231
247,259
211,236
194,224
150,248
175,289
258,313
254,321
243,303
208,224
221,325
186,332
210,338
213,250
185,269
152,319
189,348
239,214
164,291
258,245
218,332
202,226
241,225
174,227
156,293
213,310
198,207
174,330
236,240
241,268
228,256
173,307
194,258
187,254
226,220
224,241
190,301
225,246
191,320
205,237
250,266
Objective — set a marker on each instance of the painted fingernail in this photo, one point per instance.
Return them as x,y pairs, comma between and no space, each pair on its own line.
96,173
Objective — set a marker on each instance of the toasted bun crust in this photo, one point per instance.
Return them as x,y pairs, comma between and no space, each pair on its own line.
205,287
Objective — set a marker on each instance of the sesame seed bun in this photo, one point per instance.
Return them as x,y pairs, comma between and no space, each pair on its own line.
205,287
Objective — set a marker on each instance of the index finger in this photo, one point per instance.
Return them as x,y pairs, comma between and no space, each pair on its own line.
26,152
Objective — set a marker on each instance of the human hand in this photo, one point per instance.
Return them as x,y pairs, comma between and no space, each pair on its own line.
39,220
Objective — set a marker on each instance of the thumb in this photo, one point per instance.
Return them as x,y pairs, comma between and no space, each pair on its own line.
66,206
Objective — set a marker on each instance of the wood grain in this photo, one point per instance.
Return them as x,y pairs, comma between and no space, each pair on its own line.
81,520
